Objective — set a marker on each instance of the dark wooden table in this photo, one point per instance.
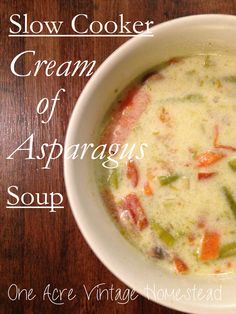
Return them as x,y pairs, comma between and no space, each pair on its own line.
38,248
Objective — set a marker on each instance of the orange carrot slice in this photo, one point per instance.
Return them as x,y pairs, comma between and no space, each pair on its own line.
132,204
206,175
147,189
180,265
208,158
132,173
210,248
125,116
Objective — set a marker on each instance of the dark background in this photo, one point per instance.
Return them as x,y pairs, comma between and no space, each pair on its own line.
37,248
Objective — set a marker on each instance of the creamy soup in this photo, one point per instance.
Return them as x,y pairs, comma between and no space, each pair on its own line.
178,203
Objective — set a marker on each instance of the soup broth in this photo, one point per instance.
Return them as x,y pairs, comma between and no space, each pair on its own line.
178,203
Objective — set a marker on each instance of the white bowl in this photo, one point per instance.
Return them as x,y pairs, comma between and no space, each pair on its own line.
183,36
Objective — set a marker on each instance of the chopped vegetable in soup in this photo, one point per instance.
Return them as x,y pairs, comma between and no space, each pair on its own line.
178,203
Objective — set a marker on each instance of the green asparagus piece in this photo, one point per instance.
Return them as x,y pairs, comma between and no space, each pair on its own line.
164,180
231,79
163,234
228,250
114,179
232,164
230,200
193,97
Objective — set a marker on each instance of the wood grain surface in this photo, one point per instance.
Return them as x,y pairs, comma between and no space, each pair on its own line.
37,248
